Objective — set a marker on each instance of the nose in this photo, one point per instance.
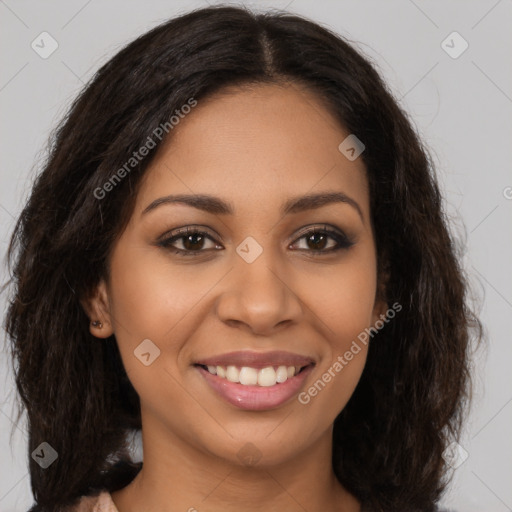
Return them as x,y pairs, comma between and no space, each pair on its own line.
259,297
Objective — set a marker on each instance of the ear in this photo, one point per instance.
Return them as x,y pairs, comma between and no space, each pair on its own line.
381,305
379,310
97,307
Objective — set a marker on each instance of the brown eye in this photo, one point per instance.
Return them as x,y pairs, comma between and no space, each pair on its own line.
316,241
192,240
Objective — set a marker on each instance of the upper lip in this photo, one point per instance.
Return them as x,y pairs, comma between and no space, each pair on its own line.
257,359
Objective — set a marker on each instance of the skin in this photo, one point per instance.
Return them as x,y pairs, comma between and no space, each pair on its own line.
251,147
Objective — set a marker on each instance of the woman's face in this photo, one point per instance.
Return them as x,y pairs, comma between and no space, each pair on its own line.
258,292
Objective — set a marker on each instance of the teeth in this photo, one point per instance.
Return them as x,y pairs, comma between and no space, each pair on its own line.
248,376
267,377
232,374
282,374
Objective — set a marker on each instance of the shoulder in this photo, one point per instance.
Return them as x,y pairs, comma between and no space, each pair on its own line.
101,502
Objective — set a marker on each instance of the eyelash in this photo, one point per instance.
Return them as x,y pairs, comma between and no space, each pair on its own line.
341,239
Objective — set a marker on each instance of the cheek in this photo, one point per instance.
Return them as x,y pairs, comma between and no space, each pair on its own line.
149,302
155,300
344,300
152,303
151,297
343,305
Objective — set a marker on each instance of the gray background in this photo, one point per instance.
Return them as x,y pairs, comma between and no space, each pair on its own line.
461,106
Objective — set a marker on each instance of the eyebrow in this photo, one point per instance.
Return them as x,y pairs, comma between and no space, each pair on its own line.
217,206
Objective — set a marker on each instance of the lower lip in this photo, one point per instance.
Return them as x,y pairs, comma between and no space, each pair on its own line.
256,398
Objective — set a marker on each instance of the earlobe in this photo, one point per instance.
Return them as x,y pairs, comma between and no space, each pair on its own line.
381,299
379,311
97,308
381,306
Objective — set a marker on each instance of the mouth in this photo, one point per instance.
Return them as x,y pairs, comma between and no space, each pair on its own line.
250,376
256,381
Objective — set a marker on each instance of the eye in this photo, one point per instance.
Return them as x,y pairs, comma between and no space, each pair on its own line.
316,240
191,239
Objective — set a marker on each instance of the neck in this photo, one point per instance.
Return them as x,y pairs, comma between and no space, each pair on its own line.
179,477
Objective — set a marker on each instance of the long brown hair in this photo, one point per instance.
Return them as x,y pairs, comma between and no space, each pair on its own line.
409,403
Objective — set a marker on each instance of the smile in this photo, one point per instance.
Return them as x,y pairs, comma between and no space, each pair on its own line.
247,376
255,381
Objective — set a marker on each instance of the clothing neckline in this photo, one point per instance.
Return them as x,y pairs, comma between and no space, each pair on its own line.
101,502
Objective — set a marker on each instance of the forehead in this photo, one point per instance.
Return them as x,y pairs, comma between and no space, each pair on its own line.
254,145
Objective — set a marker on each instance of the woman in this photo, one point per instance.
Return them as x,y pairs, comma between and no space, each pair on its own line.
237,245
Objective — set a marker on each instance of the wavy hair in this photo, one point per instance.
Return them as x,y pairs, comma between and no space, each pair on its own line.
411,400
